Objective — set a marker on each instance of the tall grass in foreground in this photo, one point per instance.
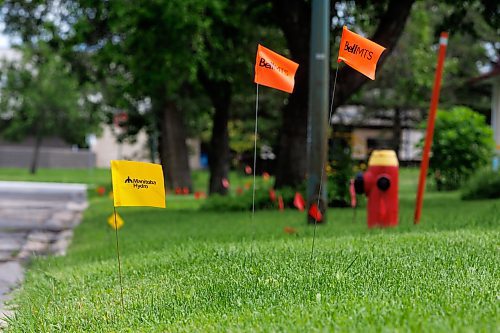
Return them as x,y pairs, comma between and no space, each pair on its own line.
190,270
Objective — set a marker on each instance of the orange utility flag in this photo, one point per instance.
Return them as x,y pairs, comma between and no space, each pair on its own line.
299,202
360,53
273,70
137,184
281,204
315,213
352,192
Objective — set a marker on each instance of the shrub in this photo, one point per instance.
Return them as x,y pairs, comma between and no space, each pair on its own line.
244,201
485,184
463,143
340,172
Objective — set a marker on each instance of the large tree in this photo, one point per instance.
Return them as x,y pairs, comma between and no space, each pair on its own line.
222,72
389,18
403,87
137,51
41,98
381,21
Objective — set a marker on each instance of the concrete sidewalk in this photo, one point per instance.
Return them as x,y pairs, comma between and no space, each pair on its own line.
35,219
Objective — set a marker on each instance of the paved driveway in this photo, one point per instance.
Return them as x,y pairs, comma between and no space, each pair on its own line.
35,219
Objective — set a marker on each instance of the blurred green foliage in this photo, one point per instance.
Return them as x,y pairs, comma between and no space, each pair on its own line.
463,143
485,184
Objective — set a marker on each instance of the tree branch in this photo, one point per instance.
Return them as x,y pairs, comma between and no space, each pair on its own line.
390,28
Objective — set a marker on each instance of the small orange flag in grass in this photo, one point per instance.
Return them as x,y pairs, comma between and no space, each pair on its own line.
274,70
101,190
199,195
315,213
352,192
266,176
281,204
359,53
299,202
272,194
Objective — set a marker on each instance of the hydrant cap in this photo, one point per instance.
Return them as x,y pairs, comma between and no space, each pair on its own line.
383,158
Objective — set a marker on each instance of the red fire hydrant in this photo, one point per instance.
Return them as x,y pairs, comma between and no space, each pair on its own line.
380,184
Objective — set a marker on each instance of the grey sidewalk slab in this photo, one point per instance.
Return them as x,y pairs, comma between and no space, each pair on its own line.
42,191
11,244
35,219
11,275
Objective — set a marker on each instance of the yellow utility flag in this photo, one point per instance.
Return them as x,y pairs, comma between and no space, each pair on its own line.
119,221
137,184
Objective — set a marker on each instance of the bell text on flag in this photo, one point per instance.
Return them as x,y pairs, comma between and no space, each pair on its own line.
274,70
359,53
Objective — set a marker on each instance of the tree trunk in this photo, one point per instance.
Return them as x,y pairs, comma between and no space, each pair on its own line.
173,149
36,153
292,161
219,155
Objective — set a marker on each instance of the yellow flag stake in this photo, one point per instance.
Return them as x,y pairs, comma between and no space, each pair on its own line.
118,257
136,184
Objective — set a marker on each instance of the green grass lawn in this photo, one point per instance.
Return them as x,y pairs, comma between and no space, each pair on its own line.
100,177
85,176
189,270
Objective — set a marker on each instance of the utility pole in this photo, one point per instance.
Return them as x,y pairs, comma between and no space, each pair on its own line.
317,129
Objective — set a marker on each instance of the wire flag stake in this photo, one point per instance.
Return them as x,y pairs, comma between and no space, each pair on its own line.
118,258
322,170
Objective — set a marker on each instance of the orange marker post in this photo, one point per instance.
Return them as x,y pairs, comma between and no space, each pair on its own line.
443,42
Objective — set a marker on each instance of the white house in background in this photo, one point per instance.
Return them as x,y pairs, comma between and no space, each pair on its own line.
106,148
366,131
